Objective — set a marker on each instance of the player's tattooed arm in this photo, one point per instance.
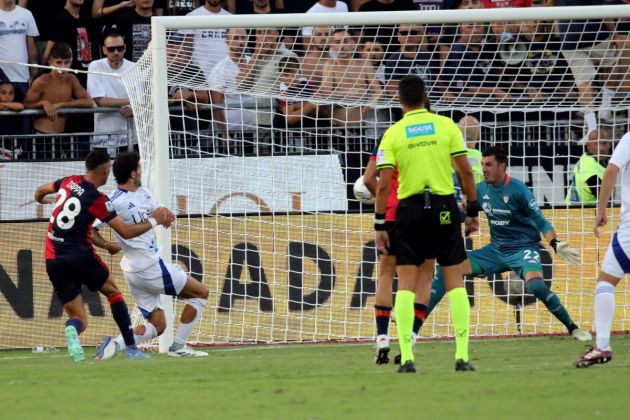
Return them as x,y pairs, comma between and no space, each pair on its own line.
42,191
112,247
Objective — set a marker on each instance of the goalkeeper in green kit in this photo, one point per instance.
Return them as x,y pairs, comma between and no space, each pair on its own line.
516,223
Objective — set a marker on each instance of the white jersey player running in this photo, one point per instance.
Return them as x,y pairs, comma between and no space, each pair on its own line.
146,273
617,260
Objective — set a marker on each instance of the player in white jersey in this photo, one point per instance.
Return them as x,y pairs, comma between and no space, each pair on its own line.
617,260
146,273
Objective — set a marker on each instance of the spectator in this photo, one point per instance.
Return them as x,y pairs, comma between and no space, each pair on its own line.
617,80
384,34
209,45
232,114
444,4
258,7
262,73
17,43
188,118
42,10
316,56
296,111
348,79
107,12
52,91
323,6
490,4
534,65
263,7
589,172
464,4
71,28
469,70
586,48
444,36
374,54
110,91
412,58
11,125
135,27
183,7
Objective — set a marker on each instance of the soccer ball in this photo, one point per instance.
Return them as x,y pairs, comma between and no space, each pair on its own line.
361,192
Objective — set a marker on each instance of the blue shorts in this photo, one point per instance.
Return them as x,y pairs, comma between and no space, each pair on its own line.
491,260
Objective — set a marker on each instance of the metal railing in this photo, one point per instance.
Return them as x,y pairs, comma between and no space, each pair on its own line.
498,128
40,146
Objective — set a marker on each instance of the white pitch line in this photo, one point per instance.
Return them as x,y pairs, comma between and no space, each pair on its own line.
32,357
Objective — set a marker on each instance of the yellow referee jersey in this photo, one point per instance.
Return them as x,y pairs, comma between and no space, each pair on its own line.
421,145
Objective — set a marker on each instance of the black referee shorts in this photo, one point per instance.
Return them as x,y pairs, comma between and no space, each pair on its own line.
423,234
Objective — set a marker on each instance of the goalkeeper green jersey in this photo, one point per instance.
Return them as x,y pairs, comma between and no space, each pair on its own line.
513,215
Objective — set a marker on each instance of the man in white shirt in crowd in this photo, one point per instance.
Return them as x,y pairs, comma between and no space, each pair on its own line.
108,91
17,43
147,275
323,6
209,46
227,77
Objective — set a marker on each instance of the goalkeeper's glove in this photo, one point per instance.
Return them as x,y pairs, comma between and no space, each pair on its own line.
564,251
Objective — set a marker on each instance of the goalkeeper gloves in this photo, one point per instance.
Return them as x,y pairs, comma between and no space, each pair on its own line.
562,249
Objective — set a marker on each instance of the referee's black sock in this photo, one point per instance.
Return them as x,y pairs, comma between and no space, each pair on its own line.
121,316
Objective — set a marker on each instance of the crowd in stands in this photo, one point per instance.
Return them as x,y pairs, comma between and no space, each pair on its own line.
583,60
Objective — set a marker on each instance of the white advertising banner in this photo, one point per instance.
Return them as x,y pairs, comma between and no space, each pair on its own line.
219,185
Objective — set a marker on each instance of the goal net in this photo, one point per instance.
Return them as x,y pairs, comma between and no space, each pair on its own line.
268,127
254,129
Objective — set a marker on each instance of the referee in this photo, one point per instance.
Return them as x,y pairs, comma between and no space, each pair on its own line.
423,146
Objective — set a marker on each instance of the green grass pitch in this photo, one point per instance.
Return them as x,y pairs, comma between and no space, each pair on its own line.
527,378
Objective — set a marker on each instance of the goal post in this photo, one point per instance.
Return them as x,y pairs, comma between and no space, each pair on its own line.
286,256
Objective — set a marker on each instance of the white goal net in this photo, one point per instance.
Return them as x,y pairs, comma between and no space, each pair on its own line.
268,126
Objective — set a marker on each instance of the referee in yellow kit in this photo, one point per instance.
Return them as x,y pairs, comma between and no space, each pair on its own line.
425,146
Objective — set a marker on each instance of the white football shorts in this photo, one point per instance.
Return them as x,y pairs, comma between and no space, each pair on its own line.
147,285
617,258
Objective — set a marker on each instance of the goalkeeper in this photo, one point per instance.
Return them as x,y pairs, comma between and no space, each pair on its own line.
515,225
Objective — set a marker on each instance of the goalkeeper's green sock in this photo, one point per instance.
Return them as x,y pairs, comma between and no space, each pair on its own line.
404,322
460,313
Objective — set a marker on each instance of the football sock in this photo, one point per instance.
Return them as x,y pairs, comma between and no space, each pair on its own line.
76,323
604,311
538,288
420,313
149,334
460,314
184,330
437,290
121,316
404,321
382,315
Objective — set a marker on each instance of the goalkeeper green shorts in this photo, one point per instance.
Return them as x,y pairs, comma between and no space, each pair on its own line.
491,260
